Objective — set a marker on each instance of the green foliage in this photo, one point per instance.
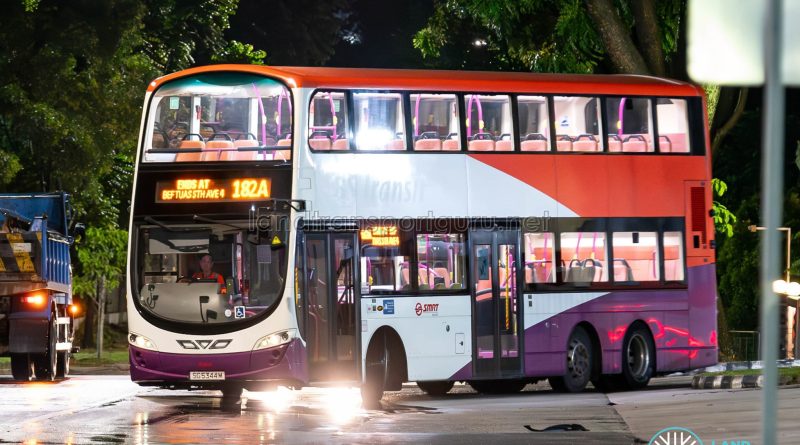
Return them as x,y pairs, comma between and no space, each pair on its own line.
102,256
532,35
724,219
238,52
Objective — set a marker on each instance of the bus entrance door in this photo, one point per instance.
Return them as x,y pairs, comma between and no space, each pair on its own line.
331,308
495,274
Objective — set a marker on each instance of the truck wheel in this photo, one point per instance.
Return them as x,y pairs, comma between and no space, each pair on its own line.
45,364
62,364
21,367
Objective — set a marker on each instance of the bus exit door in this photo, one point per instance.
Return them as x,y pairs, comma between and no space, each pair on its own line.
497,333
330,306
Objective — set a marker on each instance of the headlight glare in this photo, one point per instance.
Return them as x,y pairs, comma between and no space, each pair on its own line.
276,339
141,342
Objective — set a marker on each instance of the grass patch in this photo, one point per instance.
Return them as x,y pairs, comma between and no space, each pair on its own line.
788,372
87,357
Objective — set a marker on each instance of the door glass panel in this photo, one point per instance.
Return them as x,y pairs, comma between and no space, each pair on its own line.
345,304
317,267
507,275
484,307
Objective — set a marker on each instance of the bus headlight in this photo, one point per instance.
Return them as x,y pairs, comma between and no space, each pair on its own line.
141,342
276,339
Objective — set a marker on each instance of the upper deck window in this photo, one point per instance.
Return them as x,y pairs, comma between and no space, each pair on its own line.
436,124
577,123
219,117
673,126
380,124
489,122
534,123
629,126
327,121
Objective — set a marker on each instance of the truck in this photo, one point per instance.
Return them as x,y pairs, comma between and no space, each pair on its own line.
36,311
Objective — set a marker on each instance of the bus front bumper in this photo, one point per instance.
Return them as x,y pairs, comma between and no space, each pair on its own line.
281,365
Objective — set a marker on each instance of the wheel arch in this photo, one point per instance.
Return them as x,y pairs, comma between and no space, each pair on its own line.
597,348
398,364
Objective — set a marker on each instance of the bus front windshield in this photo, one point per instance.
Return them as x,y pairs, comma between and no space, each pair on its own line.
216,273
219,117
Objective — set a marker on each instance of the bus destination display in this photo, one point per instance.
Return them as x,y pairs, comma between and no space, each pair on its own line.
212,190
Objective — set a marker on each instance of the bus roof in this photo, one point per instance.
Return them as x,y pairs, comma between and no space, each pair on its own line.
466,81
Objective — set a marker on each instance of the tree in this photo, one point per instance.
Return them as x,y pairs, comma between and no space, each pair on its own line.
102,257
292,32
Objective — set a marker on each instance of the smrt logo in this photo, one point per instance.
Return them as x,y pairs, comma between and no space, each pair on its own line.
420,308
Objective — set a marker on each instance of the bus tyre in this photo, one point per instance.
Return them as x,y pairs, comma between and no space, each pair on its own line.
638,357
231,397
436,388
579,364
376,372
45,364
62,364
21,367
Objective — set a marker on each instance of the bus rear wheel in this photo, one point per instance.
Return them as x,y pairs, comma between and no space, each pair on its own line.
579,364
436,388
638,357
21,367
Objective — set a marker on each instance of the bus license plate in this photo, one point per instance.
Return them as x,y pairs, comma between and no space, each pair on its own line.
207,375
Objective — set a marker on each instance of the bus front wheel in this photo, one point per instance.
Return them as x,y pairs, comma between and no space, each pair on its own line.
436,388
376,372
579,364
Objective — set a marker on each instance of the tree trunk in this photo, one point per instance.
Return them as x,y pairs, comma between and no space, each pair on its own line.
729,110
101,313
624,56
649,34
88,324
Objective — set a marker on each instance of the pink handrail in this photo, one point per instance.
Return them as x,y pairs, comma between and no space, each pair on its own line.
477,100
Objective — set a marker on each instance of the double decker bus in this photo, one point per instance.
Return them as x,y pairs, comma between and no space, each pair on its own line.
296,226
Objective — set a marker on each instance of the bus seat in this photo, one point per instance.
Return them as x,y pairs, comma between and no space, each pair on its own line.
614,143
215,148
504,146
396,144
322,143
190,157
282,155
677,141
443,273
451,145
481,145
585,143
536,145
634,144
564,143
284,142
428,145
340,144
664,144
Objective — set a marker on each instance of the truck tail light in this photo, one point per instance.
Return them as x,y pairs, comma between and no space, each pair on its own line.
37,299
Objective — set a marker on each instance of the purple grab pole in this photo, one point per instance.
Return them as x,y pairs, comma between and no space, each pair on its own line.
473,98
263,117
416,116
621,110
333,113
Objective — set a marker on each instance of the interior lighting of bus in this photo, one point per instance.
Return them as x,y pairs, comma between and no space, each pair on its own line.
383,236
212,190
